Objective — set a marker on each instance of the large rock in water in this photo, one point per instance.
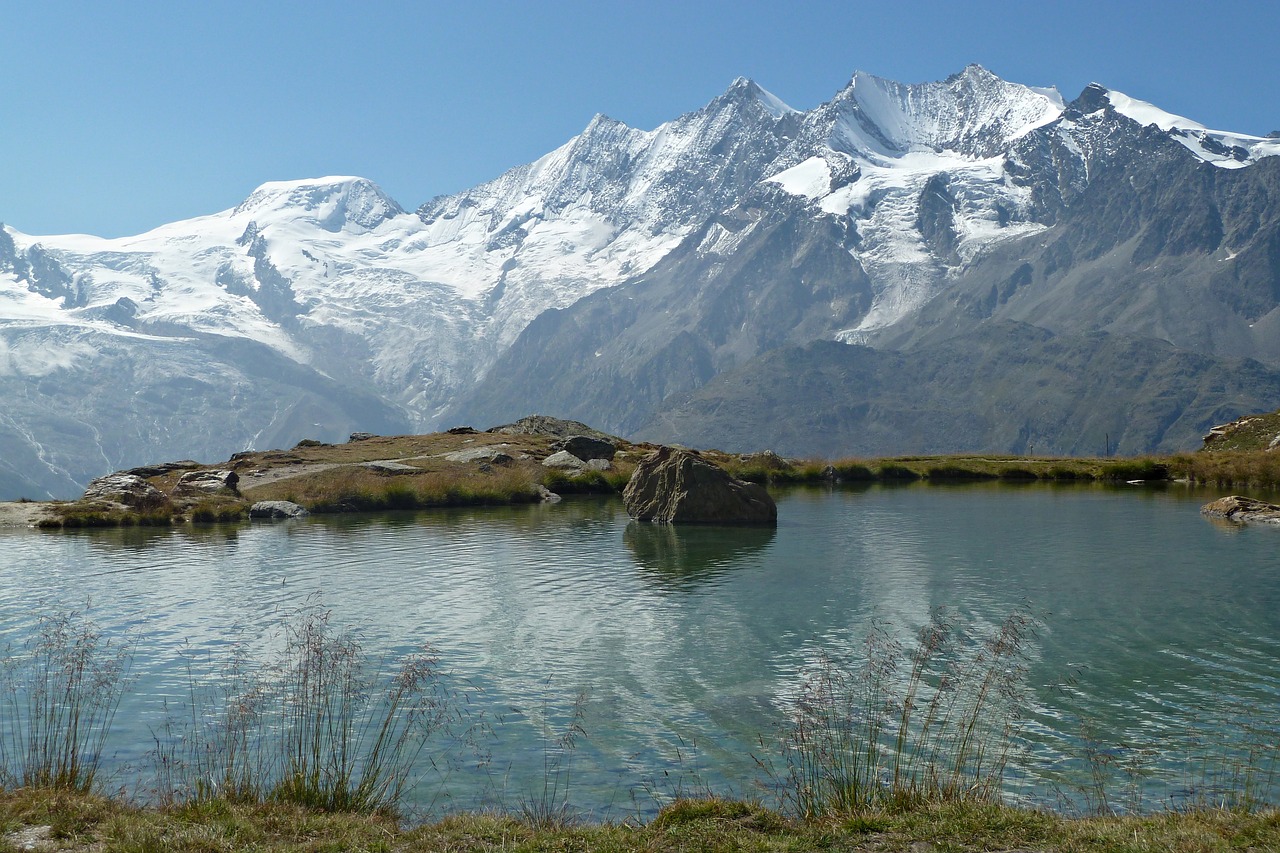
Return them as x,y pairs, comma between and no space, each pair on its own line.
675,486
1237,508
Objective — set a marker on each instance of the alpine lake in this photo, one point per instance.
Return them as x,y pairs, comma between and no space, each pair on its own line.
617,664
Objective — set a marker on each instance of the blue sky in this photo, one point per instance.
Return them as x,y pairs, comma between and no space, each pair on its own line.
118,117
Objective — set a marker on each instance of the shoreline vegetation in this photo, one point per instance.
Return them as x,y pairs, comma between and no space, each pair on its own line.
463,467
890,746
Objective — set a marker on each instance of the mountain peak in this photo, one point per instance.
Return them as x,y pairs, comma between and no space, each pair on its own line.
334,203
746,90
972,112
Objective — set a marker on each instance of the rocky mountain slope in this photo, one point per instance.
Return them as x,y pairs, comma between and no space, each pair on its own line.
626,276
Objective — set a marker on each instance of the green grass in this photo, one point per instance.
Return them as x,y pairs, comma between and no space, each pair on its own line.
85,822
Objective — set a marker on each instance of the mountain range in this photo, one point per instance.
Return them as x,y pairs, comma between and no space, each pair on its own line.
970,264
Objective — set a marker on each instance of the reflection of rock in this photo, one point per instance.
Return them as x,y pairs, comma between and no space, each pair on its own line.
676,486
683,555
1237,508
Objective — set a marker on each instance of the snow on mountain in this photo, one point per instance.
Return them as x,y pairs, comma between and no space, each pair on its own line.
889,143
1221,148
332,275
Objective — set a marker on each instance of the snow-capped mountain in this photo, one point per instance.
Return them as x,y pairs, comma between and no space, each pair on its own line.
604,280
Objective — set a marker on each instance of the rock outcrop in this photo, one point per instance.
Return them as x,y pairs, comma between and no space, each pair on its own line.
207,482
674,486
277,509
126,489
546,425
1238,508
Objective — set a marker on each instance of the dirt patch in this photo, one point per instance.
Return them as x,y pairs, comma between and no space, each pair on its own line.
23,513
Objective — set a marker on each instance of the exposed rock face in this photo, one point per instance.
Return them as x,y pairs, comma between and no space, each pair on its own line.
675,486
163,468
208,482
546,425
277,509
127,489
588,447
360,436
1238,508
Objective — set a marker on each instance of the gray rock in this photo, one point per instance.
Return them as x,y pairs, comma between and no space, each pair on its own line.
547,496
164,468
361,436
564,460
587,447
277,509
391,468
598,465
675,486
207,482
1237,508
491,455
546,425
127,489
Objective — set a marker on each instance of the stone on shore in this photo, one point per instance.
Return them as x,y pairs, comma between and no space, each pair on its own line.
277,509
673,486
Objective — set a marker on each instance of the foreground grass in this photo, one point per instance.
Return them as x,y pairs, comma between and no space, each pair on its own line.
84,822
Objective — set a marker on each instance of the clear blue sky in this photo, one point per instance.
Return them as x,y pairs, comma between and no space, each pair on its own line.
118,117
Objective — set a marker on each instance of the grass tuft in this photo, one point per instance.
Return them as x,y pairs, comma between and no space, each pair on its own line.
59,692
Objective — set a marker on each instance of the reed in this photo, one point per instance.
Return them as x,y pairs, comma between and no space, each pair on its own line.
313,727
898,727
59,692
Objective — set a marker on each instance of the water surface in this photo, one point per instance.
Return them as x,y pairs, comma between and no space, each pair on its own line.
687,645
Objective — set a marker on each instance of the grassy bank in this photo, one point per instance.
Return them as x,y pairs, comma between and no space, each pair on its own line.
425,471
81,822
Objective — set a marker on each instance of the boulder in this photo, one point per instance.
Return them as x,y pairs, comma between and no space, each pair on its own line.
675,486
598,465
565,461
127,489
360,436
587,447
277,509
207,482
490,455
462,430
1237,508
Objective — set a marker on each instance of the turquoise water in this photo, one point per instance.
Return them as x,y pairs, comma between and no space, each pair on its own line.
687,646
